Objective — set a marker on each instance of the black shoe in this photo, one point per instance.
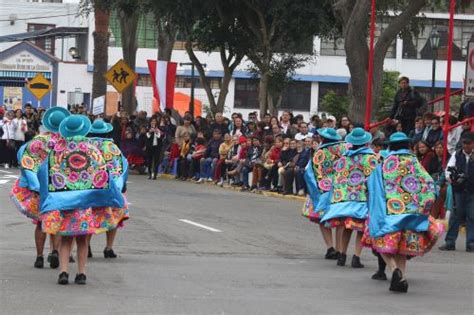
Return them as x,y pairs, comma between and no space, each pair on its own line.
89,252
331,254
470,249
149,176
447,247
80,279
356,262
54,260
63,278
379,275
154,177
396,277
39,263
71,259
341,260
109,253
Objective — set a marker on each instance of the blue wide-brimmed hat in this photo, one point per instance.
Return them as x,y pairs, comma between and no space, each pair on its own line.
329,133
359,136
99,126
75,125
398,137
53,117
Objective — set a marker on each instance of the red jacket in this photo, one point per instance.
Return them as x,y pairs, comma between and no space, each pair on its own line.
174,151
274,154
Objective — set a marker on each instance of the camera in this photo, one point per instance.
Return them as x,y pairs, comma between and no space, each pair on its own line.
457,178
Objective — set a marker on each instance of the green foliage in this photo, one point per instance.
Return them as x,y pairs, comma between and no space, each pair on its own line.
456,102
389,89
334,104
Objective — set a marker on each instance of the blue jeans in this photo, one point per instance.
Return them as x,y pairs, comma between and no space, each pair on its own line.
245,175
299,179
207,167
463,212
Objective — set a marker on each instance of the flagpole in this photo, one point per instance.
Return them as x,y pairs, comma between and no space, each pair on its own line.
368,101
448,82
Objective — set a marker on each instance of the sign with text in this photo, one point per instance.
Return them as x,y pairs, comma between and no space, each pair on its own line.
120,75
39,86
25,61
469,81
12,97
98,105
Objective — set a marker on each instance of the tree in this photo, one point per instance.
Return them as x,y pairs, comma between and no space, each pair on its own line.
101,10
214,29
354,17
129,13
334,104
281,26
389,89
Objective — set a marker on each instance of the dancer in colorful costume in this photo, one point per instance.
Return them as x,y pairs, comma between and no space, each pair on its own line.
80,191
99,129
348,210
318,178
25,191
401,194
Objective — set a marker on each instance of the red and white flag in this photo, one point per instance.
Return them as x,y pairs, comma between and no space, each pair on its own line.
163,78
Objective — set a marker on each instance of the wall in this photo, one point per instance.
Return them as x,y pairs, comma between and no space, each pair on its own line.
74,76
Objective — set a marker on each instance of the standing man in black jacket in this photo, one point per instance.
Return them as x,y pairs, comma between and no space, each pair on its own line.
406,104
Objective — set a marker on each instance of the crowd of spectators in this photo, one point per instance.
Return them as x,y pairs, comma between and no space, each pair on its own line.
270,153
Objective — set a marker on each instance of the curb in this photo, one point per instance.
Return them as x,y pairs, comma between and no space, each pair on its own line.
264,193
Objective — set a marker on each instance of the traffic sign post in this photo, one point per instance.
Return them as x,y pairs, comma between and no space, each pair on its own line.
120,76
469,80
39,86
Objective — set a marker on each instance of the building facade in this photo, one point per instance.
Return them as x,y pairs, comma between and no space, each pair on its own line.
411,57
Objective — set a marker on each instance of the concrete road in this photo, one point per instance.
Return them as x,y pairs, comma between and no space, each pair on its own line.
200,249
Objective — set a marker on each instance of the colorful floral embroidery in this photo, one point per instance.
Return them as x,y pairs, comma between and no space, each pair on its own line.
37,151
71,168
409,189
323,164
349,182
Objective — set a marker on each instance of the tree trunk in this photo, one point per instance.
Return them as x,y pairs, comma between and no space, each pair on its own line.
263,92
129,27
101,46
167,31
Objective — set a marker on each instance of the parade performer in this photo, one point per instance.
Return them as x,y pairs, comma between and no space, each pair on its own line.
401,194
25,191
318,176
80,191
348,209
99,129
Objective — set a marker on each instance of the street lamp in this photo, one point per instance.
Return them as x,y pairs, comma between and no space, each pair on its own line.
191,102
434,43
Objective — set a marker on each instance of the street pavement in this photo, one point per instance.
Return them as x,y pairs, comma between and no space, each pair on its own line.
201,249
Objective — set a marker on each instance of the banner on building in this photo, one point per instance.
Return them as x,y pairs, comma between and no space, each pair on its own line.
12,97
163,79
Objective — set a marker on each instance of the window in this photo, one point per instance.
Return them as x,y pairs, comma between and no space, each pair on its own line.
181,82
147,35
246,93
297,96
47,44
340,89
418,47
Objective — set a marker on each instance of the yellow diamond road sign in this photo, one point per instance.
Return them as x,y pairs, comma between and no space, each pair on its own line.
39,86
120,76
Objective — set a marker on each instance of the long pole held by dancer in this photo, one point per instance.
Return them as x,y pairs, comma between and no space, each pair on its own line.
447,93
368,101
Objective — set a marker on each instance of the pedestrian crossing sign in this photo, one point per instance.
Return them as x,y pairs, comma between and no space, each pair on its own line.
120,75
39,86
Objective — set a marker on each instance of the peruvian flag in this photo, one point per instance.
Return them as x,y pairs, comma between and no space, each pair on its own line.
163,78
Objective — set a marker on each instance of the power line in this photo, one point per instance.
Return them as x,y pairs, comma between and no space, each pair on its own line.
39,17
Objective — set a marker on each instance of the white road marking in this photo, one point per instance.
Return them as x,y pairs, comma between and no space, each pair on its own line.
8,172
4,181
10,176
200,225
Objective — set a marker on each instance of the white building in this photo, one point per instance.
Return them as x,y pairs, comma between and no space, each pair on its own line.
328,72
